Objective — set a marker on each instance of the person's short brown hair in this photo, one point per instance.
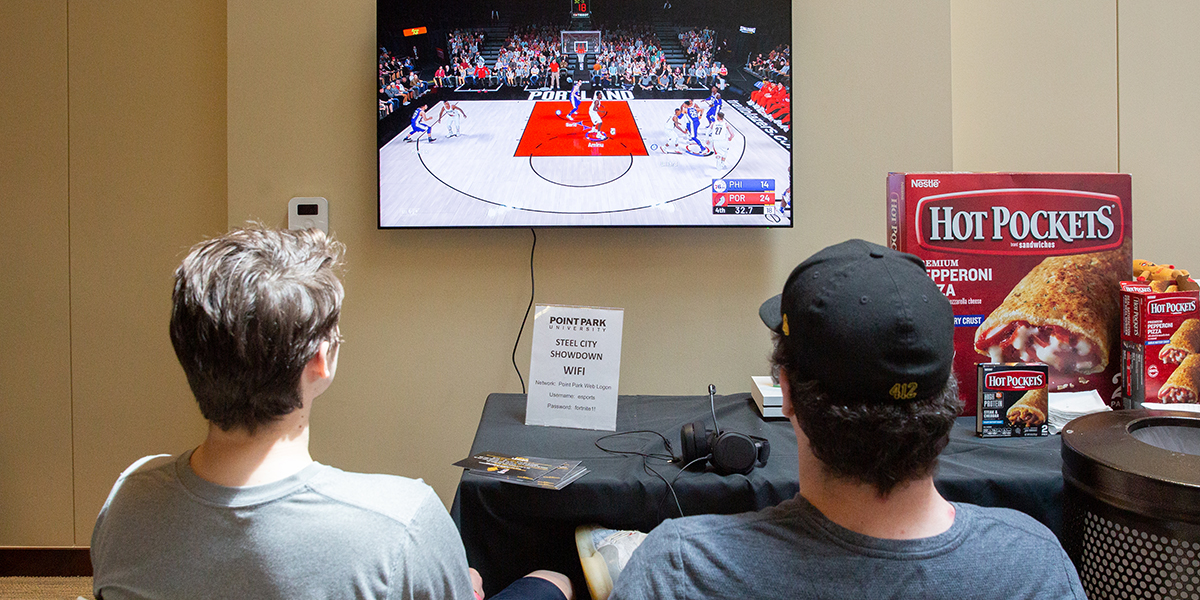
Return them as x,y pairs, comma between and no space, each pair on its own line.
883,444
250,310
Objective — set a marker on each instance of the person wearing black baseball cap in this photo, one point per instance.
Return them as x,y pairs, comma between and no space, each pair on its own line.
863,350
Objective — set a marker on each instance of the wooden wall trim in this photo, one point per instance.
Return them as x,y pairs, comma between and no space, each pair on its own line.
45,562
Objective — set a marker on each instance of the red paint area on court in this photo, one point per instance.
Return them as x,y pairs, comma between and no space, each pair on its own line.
548,134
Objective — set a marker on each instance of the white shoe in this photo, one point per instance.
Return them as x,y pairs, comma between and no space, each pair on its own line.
603,553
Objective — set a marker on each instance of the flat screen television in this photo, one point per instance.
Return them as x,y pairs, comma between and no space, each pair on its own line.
584,113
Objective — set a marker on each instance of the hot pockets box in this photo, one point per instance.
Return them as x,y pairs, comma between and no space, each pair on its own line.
1160,339
1013,401
1032,264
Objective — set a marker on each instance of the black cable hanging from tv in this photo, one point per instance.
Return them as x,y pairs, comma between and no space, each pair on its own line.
532,288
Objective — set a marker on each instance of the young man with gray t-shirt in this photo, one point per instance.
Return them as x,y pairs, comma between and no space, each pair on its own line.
863,347
248,513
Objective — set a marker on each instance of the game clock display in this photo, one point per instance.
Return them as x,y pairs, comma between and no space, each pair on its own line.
580,8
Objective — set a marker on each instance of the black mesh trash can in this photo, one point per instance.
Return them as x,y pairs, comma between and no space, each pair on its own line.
1132,503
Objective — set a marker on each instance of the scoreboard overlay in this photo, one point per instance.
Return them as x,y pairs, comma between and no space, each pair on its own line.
743,196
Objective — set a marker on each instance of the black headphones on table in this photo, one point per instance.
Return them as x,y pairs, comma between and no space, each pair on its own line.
728,451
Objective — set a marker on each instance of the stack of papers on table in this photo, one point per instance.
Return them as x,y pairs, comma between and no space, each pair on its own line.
767,396
532,471
1065,406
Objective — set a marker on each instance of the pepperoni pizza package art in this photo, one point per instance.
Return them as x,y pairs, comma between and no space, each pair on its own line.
1031,263
1160,344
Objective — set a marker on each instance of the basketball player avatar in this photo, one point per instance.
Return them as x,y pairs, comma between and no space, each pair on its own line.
453,115
722,138
714,107
693,121
575,98
787,194
419,118
675,131
596,131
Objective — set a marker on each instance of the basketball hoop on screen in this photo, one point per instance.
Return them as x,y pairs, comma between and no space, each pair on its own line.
581,49
580,43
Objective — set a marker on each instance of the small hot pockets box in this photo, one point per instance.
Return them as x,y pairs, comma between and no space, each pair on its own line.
1013,400
1160,339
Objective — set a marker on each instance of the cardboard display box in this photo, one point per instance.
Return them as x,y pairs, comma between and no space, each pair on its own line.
1159,330
1032,264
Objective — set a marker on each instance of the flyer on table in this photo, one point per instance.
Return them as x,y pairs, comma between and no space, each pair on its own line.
574,367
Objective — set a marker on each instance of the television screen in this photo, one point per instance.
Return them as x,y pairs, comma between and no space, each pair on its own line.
582,113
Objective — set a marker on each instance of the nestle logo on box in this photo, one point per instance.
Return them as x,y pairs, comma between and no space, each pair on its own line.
1016,380
1000,222
1169,307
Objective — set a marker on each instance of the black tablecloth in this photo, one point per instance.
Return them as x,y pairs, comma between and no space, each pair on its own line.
510,530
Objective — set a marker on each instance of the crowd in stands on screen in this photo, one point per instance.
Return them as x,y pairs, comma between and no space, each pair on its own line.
465,60
630,50
399,82
703,70
631,57
530,57
698,43
464,43
776,66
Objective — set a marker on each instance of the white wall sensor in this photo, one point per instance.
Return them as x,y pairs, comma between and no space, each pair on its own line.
304,213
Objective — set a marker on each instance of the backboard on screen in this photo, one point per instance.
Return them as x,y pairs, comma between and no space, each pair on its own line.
576,41
522,114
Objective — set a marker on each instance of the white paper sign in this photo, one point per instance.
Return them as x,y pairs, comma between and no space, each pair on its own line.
575,367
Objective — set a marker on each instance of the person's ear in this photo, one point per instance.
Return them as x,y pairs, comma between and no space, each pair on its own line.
321,365
785,389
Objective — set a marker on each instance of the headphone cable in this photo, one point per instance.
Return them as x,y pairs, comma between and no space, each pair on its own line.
669,457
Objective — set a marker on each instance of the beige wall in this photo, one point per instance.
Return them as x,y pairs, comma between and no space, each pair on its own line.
36,487
147,180
1159,127
192,116
1035,85
113,164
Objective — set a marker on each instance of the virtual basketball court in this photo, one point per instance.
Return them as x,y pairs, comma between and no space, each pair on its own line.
527,162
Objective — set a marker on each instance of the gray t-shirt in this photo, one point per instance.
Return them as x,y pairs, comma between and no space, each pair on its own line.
322,533
793,551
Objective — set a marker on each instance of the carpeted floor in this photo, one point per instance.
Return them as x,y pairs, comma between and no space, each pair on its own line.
45,588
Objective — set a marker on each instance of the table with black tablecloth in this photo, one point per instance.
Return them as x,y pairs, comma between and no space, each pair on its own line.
510,530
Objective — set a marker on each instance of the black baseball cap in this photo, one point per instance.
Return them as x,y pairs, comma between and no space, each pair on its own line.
865,322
